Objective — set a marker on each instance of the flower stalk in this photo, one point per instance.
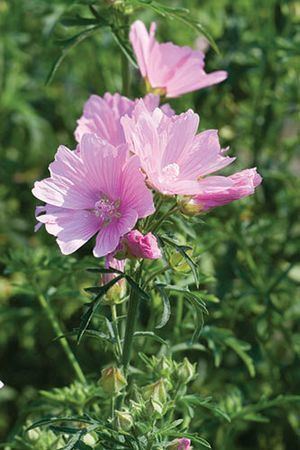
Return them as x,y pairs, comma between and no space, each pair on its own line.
59,333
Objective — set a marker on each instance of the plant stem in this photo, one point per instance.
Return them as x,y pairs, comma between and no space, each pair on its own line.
131,321
125,62
116,329
165,216
58,332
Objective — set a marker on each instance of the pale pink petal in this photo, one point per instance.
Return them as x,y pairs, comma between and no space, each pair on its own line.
180,137
108,237
103,163
102,117
141,43
223,190
75,229
134,191
205,156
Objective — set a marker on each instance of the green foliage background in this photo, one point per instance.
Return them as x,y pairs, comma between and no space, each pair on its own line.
248,251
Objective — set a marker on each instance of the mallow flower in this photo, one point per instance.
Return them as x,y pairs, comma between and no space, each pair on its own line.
242,185
169,69
98,191
102,115
180,444
178,161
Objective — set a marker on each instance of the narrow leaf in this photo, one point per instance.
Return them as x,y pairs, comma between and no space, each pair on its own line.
166,306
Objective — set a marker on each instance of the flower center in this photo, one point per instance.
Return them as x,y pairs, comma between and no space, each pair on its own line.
169,173
106,209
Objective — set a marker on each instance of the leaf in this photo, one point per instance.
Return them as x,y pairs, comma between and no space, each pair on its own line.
205,402
182,249
69,44
151,335
51,420
124,48
181,14
199,307
92,307
166,306
105,270
72,444
78,21
137,288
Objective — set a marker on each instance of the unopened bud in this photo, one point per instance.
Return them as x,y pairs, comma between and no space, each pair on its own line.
89,439
189,206
157,391
164,366
186,371
124,420
34,434
154,407
112,380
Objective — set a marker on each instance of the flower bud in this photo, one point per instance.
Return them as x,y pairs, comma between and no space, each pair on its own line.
154,407
180,444
136,245
116,292
156,391
112,380
189,206
34,434
164,366
124,420
186,371
89,439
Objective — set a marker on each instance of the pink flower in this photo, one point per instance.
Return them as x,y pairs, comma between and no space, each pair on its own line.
242,184
102,116
184,444
99,191
176,160
169,69
135,244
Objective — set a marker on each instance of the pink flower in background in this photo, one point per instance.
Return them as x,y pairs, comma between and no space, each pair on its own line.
242,184
169,69
135,244
100,191
176,160
101,115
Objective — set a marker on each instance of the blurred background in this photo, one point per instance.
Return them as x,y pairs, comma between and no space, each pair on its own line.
250,249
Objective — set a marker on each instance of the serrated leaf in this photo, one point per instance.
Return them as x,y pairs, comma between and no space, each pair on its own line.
166,306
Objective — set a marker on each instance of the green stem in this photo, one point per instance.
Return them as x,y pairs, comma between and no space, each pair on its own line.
125,75
165,216
58,332
116,330
130,322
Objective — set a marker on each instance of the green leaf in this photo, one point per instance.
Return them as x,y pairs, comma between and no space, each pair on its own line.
137,288
78,21
68,45
93,306
166,306
125,48
182,249
151,335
